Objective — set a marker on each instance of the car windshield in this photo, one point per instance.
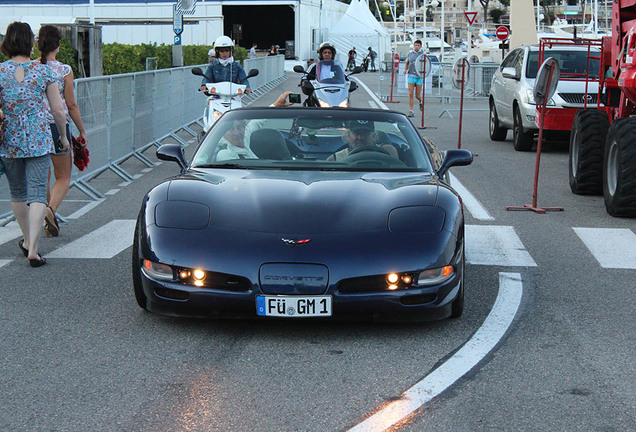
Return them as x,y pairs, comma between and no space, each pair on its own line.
313,139
572,64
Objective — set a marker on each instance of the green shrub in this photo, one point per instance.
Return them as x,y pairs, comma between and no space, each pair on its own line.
67,55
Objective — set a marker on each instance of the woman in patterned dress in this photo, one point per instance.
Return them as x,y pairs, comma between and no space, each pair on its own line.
27,145
49,39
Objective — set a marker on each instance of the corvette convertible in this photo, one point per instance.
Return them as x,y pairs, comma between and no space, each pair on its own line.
304,213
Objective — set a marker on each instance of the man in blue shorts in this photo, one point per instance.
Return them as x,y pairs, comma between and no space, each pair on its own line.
415,81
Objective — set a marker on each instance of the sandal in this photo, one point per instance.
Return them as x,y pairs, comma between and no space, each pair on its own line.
38,262
51,226
24,250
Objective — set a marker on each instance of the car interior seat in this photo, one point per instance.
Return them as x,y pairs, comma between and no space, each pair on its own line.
269,144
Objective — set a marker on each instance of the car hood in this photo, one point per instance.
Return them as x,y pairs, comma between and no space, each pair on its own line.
575,86
299,201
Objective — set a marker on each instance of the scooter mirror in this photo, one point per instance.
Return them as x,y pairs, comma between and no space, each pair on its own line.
252,73
197,71
356,70
299,69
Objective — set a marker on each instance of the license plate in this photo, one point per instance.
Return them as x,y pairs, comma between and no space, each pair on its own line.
293,306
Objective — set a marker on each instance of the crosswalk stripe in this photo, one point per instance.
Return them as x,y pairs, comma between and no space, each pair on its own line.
496,245
612,247
9,232
4,262
105,242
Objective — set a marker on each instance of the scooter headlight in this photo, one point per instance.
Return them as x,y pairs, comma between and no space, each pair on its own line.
217,114
344,104
323,104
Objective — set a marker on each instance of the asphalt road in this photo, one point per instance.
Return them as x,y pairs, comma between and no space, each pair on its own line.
77,354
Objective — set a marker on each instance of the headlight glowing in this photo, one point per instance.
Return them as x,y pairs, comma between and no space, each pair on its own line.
158,270
323,104
344,104
198,274
392,278
436,275
217,114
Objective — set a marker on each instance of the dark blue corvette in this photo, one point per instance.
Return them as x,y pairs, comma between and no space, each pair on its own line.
286,212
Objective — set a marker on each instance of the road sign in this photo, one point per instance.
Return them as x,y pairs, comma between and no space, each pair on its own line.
177,40
504,46
470,16
177,21
502,33
396,61
423,66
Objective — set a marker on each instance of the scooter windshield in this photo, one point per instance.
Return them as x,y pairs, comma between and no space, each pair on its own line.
330,72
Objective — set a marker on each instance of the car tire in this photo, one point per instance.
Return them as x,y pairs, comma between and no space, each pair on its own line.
522,140
587,144
619,175
497,133
457,306
136,271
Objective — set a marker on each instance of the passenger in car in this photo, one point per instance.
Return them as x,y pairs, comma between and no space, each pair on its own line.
358,134
232,144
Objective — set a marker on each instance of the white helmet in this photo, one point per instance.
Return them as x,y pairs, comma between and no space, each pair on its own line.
223,42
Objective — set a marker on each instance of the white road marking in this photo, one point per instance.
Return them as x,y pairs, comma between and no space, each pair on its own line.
105,242
124,184
480,344
136,176
10,232
112,192
88,207
496,245
471,203
146,170
373,96
4,262
373,105
612,248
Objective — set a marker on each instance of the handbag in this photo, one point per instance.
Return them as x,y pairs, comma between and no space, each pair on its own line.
80,153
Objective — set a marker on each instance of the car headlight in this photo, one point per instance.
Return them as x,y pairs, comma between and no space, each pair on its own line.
435,276
530,98
159,271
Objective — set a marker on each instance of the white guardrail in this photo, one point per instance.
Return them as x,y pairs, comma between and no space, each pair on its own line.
126,114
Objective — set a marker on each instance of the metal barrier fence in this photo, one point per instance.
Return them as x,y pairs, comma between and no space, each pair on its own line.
125,114
439,84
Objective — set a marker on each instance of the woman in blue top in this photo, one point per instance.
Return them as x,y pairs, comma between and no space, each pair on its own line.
27,145
223,67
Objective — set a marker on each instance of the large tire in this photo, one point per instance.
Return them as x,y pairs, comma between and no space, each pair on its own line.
136,271
619,169
587,142
522,140
497,133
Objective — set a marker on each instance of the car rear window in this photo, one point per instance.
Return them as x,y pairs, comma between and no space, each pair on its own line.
573,64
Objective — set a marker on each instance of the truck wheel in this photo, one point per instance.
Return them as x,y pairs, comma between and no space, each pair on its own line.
522,140
496,133
619,169
587,142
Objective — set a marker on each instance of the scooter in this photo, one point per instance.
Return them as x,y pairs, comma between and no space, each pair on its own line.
222,96
328,86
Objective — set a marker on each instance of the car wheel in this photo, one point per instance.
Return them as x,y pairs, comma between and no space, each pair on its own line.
496,133
136,271
587,142
619,175
522,140
457,306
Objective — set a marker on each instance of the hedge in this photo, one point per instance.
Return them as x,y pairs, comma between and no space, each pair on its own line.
67,55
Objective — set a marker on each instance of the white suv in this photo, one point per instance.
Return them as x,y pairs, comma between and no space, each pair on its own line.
512,103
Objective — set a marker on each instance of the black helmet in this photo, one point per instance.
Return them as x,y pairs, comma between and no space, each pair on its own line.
326,45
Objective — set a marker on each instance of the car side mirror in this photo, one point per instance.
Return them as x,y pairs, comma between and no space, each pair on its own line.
509,72
173,152
454,158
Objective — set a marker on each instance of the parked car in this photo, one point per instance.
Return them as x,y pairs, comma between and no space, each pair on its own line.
512,104
311,212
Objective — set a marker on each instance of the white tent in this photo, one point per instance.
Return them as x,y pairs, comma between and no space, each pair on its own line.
359,28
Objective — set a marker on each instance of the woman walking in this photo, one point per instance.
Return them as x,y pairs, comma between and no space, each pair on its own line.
27,145
49,39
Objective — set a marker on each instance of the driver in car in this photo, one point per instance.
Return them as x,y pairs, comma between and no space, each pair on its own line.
233,144
361,133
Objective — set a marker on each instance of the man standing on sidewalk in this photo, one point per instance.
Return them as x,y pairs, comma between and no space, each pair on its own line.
414,80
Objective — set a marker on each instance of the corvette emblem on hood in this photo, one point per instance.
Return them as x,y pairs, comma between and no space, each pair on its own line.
294,242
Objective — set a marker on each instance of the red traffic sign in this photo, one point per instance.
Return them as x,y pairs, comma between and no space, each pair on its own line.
502,33
396,61
470,16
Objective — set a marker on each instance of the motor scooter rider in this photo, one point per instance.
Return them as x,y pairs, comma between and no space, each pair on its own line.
223,67
326,55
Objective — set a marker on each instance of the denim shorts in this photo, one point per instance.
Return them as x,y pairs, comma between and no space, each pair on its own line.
56,136
415,80
27,178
